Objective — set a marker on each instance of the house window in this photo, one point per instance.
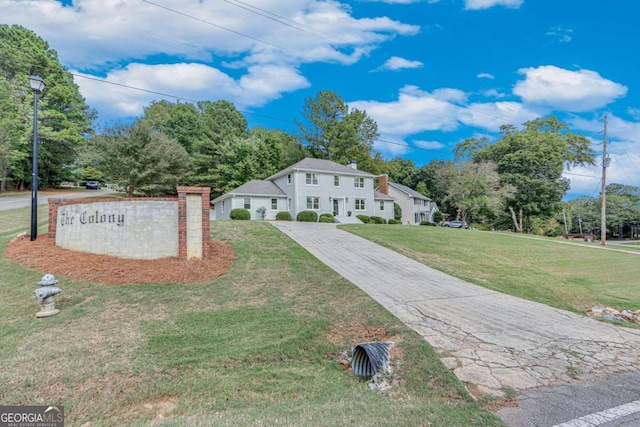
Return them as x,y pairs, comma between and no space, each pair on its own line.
223,206
358,182
274,204
336,181
312,179
289,204
361,205
381,205
289,179
313,203
247,202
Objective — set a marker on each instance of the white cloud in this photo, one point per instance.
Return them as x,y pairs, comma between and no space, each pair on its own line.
396,63
563,35
446,109
623,169
415,111
493,93
625,162
620,129
490,116
450,95
114,37
486,4
401,1
575,91
634,112
429,145
391,145
188,81
486,76
623,147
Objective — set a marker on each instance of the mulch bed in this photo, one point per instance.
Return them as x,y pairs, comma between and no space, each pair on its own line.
44,256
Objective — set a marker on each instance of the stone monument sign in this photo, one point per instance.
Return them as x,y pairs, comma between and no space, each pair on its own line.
135,228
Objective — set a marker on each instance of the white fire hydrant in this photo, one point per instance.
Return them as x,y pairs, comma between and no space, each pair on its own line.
47,294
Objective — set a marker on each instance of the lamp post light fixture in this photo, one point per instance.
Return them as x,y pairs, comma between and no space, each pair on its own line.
37,86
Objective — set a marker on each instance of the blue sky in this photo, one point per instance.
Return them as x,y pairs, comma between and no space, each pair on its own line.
431,73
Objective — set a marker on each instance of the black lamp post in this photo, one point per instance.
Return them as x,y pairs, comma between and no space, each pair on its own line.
37,86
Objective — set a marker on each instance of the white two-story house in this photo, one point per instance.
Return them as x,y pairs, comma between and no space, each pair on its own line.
416,207
315,185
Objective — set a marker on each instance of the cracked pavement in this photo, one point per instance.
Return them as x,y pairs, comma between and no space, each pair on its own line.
491,340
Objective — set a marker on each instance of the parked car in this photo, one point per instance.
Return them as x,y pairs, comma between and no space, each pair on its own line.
93,185
456,224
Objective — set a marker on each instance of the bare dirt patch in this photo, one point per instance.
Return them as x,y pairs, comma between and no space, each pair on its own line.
359,332
42,254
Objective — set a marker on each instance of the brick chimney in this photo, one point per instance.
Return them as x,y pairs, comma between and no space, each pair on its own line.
383,183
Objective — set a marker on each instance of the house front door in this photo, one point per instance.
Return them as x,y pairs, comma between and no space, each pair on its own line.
336,207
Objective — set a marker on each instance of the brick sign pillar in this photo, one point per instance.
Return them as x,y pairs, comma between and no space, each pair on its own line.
193,222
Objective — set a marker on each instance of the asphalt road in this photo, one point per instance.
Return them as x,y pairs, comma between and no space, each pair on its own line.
8,203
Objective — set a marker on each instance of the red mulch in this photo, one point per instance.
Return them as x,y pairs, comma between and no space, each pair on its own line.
43,255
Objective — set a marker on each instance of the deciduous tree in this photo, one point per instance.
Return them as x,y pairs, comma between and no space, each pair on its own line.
531,160
474,189
138,158
333,131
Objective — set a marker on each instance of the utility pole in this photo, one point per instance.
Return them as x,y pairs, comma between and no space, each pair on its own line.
603,210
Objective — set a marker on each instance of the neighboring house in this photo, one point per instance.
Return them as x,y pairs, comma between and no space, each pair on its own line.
315,185
416,207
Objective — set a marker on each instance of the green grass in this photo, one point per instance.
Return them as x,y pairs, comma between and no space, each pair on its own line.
258,346
550,271
19,220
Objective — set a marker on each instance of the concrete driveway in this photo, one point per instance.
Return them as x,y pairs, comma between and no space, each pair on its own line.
490,340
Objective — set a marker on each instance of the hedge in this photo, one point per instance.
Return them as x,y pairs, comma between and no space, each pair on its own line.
242,214
378,220
283,216
364,218
326,217
433,224
394,221
307,216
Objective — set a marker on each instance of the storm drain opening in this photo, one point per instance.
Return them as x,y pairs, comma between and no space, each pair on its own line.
367,358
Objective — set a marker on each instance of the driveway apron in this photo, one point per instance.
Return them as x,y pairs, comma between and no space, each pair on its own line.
490,340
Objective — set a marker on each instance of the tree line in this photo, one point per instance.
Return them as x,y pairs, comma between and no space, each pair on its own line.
513,183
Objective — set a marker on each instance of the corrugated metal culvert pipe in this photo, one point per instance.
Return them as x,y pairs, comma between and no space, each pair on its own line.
369,357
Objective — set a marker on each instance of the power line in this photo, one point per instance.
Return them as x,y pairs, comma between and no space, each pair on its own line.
222,28
182,98
282,20
178,97
632,163
579,174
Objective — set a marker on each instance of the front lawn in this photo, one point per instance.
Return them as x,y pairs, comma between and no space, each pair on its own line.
259,346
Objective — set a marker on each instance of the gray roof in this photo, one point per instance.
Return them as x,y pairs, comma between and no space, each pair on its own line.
254,188
319,165
377,195
411,192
